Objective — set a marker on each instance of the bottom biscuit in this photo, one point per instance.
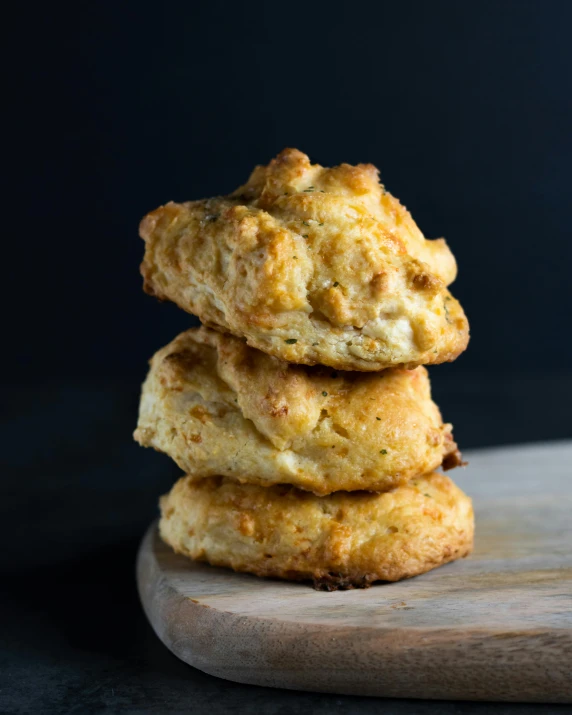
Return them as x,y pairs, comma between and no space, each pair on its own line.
340,541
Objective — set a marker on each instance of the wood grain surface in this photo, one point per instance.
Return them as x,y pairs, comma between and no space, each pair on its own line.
495,626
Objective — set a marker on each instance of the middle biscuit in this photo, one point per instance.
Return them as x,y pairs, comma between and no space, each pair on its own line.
219,407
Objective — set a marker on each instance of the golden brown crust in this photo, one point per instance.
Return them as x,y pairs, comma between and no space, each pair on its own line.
219,407
311,265
343,540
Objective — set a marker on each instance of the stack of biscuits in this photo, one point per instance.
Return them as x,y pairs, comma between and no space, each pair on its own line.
301,411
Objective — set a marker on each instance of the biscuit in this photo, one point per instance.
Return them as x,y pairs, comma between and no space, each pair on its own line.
220,408
310,265
344,540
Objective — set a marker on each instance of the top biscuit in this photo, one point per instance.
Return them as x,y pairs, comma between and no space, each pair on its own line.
310,265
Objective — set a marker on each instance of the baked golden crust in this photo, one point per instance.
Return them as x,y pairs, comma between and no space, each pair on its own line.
343,540
311,265
221,408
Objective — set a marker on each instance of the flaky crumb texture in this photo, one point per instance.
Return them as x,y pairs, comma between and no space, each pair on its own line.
221,408
344,540
311,265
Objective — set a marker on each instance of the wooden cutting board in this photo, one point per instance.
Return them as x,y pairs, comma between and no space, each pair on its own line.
495,626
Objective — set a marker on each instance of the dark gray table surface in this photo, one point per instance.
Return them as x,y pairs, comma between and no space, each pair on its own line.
78,495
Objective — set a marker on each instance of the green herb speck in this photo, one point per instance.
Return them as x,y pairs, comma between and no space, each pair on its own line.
304,235
383,451
446,312
336,284
314,344
378,419
306,223
324,394
427,495
291,341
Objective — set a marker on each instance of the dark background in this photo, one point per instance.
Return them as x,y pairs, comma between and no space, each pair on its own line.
465,107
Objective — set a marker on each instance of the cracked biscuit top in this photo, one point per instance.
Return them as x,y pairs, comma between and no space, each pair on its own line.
311,265
220,408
